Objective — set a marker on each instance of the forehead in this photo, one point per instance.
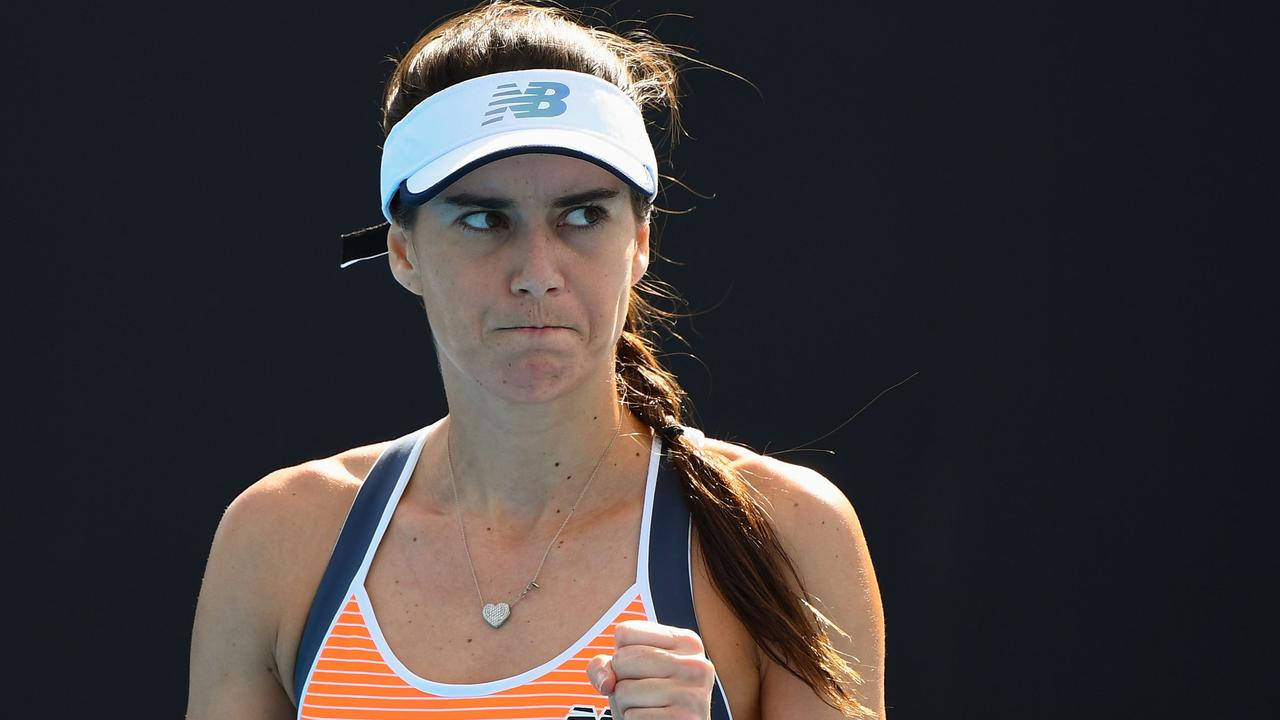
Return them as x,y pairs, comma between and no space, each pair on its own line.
532,177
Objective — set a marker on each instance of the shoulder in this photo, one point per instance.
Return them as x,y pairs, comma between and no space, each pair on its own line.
813,518
292,516
273,541
809,511
314,484
288,506
794,495
269,523
819,529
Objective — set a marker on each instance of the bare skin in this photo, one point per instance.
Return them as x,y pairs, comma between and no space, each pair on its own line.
529,415
403,583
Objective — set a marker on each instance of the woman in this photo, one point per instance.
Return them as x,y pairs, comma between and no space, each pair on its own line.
559,545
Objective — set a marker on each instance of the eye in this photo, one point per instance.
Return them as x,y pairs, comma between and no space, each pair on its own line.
482,214
599,213
592,215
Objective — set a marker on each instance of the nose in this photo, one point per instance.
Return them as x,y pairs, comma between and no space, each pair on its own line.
536,270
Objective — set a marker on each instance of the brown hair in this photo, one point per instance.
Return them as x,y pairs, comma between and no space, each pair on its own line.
746,561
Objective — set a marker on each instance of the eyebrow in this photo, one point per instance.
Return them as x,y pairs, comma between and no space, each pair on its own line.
498,203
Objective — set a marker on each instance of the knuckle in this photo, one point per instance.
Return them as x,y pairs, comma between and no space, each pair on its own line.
629,654
690,638
695,698
680,632
697,667
625,631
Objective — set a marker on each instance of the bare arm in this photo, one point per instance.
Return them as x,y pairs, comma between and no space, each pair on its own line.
822,534
233,673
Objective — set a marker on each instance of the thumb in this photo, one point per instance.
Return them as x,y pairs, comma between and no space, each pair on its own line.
600,673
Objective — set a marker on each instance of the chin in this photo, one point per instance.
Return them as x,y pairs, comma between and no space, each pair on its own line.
529,380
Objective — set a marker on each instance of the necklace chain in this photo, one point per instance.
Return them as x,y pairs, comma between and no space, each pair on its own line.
497,614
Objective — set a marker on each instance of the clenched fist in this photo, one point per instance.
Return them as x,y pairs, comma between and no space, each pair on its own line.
656,671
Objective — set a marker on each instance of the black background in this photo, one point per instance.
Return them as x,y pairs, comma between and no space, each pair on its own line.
1052,218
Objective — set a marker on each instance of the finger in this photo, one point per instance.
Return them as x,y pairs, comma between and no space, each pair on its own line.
667,637
648,693
643,661
600,674
677,699
662,713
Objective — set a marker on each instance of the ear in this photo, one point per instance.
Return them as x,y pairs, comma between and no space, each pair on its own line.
401,257
640,261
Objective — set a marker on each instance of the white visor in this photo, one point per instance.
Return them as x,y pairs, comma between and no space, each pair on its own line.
477,121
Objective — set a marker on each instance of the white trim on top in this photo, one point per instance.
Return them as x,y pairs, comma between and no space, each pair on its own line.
413,458
642,555
640,585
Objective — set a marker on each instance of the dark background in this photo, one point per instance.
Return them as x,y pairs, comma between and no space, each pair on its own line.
1053,219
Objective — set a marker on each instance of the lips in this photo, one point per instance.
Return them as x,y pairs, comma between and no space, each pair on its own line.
538,332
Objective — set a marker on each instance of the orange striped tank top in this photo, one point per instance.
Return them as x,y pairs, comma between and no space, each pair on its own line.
347,671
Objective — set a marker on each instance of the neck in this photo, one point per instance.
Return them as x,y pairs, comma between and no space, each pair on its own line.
516,472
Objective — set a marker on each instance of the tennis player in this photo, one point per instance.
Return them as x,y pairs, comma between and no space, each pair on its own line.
560,544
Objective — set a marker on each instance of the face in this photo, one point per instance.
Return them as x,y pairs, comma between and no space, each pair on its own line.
507,248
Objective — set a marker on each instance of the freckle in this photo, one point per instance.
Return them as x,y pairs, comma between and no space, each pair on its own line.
468,639
415,539
795,504
488,529
397,582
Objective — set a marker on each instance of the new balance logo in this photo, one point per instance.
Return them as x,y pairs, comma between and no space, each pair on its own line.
586,712
540,99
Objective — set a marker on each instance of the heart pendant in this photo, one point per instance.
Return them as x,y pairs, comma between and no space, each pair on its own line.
497,614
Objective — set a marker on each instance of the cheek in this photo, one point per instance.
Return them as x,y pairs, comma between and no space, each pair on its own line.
611,300
443,294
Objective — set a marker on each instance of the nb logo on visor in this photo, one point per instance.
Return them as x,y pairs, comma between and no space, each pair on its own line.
540,99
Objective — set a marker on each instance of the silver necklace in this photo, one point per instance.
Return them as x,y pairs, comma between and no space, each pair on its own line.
497,613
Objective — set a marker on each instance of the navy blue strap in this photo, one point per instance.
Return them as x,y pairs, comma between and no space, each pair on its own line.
349,551
669,580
